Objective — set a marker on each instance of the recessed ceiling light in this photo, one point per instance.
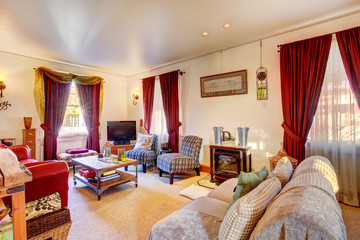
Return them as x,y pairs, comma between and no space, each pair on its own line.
205,33
227,25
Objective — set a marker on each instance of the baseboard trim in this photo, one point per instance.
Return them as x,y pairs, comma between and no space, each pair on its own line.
204,168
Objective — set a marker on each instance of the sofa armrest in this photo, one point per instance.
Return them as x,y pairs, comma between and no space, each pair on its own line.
48,177
22,152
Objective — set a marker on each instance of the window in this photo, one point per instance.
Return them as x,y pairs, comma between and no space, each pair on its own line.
335,131
73,120
337,116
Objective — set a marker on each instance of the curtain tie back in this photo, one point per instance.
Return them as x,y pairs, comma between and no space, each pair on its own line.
293,135
48,131
95,127
175,127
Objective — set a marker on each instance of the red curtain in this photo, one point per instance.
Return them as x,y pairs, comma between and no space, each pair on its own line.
148,86
169,91
302,69
89,96
56,97
349,45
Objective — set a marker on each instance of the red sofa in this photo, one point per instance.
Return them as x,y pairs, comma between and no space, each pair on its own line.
48,176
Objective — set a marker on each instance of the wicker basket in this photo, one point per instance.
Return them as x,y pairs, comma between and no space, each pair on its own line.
48,222
58,233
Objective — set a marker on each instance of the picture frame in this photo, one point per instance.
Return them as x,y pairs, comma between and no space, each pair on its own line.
224,84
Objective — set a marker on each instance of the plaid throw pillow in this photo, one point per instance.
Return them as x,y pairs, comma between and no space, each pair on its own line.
244,214
282,171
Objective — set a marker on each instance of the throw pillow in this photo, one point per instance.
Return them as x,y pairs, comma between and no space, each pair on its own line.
282,171
43,205
247,182
243,216
2,146
144,141
76,150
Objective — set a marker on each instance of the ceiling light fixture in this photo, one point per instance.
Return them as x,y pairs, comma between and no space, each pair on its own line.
227,25
205,34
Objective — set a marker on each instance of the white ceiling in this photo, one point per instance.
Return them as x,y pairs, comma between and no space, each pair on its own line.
126,37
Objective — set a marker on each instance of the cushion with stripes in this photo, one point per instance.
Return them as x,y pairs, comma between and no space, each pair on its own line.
244,214
283,171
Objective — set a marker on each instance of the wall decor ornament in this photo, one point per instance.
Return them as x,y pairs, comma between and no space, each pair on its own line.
231,83
261,79
4,105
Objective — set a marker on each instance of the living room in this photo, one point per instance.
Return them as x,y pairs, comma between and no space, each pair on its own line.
21,53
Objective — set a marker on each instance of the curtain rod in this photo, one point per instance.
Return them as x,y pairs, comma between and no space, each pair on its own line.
179,71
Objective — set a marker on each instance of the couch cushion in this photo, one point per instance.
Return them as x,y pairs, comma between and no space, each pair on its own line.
43,205
27,161
283,171
247,182
306,208
176,163
318,164
243,216
142,155
210,206
224,191
186,224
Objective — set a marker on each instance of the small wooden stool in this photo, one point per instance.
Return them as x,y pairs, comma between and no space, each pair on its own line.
281,154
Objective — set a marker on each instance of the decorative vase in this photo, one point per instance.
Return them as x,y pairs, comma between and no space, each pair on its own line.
217,135
107,151
27,122
243,136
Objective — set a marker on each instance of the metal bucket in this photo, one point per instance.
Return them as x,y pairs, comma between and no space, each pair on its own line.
217,135
243,136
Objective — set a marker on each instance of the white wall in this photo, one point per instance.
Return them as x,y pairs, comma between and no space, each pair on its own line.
263,117
19,75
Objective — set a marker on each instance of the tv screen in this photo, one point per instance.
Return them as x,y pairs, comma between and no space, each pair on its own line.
121,132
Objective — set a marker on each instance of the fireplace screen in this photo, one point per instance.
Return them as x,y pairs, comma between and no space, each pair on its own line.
227,161
226,165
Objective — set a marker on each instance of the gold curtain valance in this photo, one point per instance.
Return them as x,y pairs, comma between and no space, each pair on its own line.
61,77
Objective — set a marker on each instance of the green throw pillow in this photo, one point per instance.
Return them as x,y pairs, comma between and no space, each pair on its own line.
247,182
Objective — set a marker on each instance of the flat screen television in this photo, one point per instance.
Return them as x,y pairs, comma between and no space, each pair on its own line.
121,132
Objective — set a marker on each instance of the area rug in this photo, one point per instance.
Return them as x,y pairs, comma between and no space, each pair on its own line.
194,191
205,182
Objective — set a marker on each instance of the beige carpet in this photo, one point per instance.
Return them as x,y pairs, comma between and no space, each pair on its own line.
125,212
351,216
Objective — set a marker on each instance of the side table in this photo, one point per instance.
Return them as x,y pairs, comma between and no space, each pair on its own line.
165,151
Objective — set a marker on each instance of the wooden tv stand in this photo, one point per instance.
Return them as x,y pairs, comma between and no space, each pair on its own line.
114,148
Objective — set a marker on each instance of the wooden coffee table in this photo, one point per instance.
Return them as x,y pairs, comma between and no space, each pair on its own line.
100,167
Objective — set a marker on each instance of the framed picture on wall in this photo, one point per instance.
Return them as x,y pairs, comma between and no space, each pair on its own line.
231,83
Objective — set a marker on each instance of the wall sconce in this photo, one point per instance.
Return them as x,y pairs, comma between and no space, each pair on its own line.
135,95
2,86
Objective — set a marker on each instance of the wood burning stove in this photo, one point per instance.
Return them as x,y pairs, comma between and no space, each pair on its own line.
227,161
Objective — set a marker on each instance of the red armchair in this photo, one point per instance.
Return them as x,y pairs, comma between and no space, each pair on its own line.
48,176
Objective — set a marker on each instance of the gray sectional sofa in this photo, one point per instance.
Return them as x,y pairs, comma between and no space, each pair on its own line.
305,208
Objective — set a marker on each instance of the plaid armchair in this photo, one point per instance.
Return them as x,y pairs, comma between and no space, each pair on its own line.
187,159
144,156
